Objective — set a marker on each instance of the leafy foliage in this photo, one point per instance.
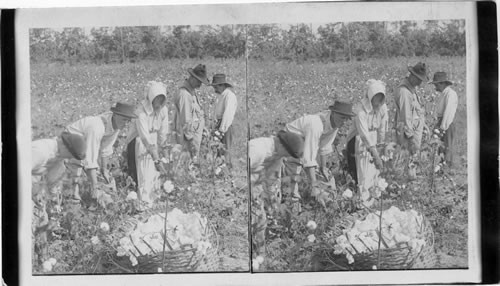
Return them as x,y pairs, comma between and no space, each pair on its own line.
299,42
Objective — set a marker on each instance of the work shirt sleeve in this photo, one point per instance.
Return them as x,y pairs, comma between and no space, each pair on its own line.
107,145
326,144
164,127
361,123
230,106
384,123
94,132
185,116
451,104
312,129
142,126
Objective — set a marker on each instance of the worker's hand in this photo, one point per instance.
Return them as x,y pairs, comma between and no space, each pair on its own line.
107,176
414,145
104,199
218,135
378,163
325,173
376,158
160,168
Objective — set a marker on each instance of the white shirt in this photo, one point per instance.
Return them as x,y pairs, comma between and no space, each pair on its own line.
263,158
44,155
447,107
225,108
318,135
99,134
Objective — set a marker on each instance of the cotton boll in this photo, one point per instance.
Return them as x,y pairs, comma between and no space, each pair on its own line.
53,261
255,264
132,196
94,240
350,258
382,184
121,251
133,260
342,239
365,195
168,186
338,249
311,238
369,203
104,226
347,193
311,225
47,266
260,259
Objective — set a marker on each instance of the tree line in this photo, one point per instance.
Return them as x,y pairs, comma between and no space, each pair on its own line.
300,42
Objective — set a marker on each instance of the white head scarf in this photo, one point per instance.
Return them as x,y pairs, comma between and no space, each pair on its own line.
152,89
373,87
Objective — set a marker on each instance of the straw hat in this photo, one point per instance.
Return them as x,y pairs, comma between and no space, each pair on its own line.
199,72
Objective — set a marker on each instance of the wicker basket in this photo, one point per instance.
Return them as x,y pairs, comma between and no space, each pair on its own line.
187,259
398,257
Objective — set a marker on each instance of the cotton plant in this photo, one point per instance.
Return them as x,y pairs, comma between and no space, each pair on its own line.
49,264
257,262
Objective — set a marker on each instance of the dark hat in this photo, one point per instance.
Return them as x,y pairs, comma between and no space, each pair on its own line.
293,143
220,79
343,108
420,71
440,77
75,144
200,72
124,109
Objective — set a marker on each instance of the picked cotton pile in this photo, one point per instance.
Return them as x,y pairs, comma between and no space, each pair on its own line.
397,227
182,230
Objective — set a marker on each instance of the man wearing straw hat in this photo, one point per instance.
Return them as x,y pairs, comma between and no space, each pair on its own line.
409,119
100,133
226,104
446,109
319,132
189,119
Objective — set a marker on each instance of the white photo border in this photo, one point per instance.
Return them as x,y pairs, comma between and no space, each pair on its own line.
247,14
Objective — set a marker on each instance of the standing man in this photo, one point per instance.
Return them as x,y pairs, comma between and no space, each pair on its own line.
189,119
226,104
100,133
446,109
319,132
409,120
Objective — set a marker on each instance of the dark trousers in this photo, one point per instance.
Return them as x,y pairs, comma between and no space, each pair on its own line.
351,159
449,144
132,167
227,140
